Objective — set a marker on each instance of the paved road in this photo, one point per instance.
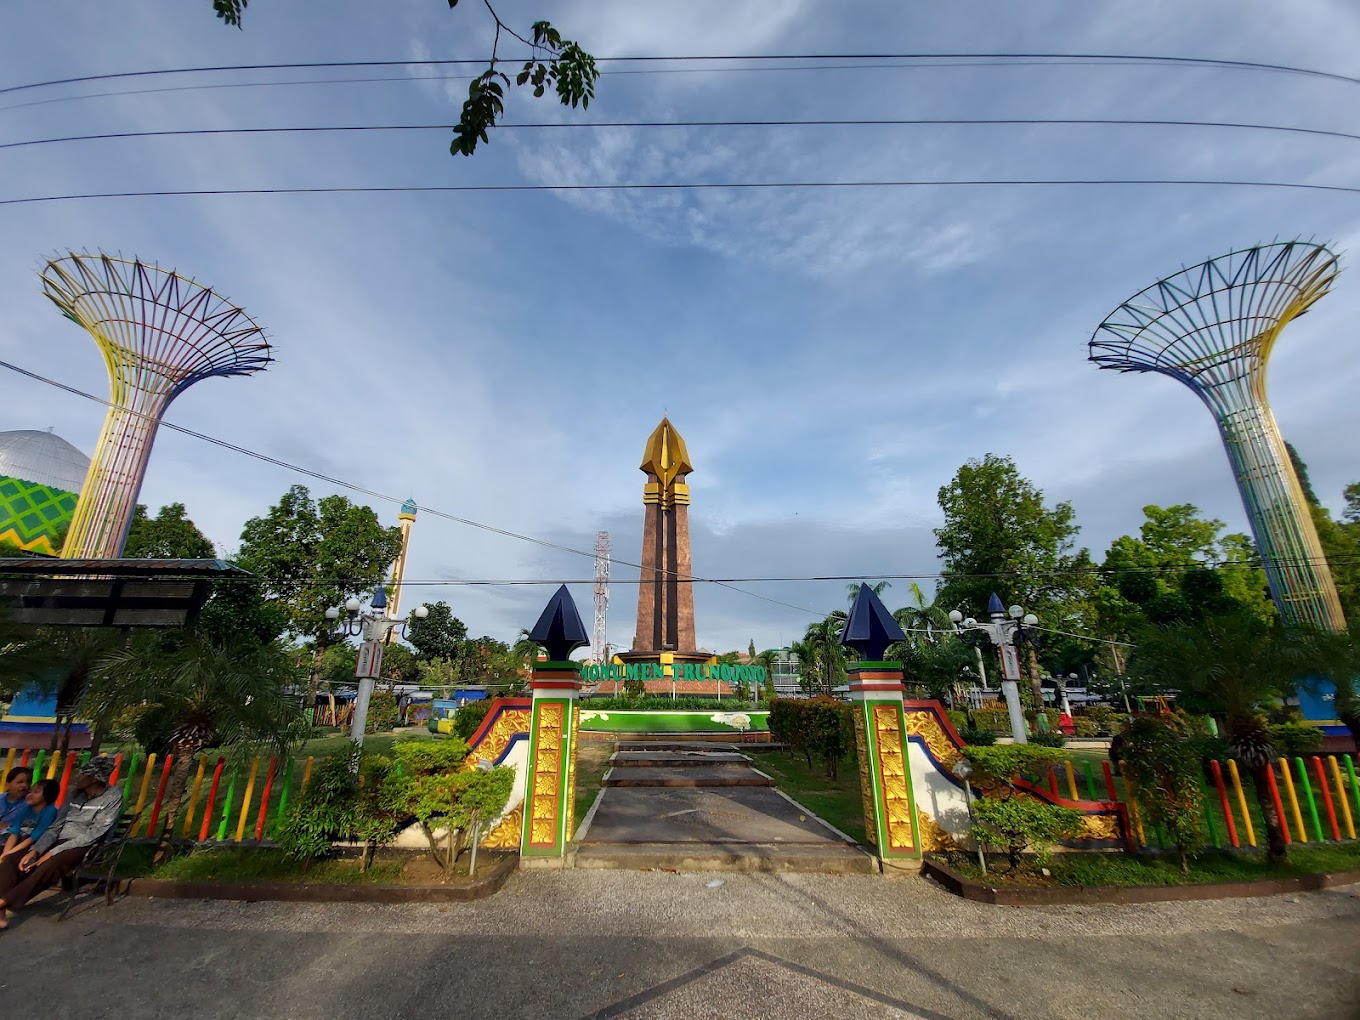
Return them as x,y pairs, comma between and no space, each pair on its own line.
658,946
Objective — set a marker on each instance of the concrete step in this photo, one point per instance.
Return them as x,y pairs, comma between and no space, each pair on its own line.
672,744
689,775
808,858
678,759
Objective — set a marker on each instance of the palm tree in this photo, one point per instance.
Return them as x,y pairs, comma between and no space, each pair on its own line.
526,650
209,695
1233,665
852,589
821,657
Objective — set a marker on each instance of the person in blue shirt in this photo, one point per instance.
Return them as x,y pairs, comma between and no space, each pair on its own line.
12,804
41,804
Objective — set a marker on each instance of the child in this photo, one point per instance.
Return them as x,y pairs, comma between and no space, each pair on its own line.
41,804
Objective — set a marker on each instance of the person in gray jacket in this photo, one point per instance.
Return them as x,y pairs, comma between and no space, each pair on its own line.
90,812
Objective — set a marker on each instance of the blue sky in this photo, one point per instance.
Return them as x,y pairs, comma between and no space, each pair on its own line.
831,357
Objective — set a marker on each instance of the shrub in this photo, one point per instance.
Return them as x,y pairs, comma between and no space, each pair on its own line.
1017,824
829,733
957,719
787,726
1084,727
993,717
1296,738
382,712
1163,771
1001,765
978,738
323,812
424,783
1053,738
467,719
1107,721
657,704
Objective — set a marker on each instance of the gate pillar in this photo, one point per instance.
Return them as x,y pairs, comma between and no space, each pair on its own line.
881,733
550,793
885,764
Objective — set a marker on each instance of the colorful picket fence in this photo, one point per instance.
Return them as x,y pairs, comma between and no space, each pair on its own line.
1317,799
226,818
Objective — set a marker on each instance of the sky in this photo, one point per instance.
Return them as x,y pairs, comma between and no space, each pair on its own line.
831,356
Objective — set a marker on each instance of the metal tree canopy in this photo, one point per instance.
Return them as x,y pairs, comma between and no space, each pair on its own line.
1212,327
159,333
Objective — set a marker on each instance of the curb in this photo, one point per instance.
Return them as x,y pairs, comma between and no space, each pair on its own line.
968,889
318,892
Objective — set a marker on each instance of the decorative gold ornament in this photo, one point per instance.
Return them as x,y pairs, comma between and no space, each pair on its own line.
933,837
892,768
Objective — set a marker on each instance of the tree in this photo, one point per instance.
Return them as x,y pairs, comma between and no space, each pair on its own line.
1164,771
1234,666
208,695
170,535
998,536
554,62
440,635
852,589
821,657
310,556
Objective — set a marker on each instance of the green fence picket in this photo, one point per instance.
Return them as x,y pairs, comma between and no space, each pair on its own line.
1308,793
226,804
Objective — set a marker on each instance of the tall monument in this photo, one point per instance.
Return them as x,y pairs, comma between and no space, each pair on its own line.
665,620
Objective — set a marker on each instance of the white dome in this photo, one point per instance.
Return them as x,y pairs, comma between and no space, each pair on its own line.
42,458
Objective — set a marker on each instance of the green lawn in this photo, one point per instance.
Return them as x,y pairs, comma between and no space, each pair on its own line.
256,865
1119,869
837,800
592,762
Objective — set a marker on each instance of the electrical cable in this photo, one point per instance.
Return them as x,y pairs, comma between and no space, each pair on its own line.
1054,58
373,493
548,125
701,186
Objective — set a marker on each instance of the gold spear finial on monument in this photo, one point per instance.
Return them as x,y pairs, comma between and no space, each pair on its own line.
667,458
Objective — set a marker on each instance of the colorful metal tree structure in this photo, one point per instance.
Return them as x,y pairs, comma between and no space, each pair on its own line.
1212,327
159,333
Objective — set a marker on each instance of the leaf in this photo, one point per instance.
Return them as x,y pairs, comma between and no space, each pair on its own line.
230,11
521,78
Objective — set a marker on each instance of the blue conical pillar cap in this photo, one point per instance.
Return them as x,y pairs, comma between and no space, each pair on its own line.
560,630
994,606
870,628
379,600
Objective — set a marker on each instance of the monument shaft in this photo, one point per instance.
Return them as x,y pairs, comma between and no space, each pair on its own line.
665,620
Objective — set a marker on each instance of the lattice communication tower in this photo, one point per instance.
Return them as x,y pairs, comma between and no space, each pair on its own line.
159,333
1212,327
599,649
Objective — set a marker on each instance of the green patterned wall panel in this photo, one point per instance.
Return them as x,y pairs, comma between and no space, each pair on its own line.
32,515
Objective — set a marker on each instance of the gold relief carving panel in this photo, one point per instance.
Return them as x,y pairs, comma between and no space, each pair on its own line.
893,777
544,807
933,837
506,835
571,770
924,725
509,724
866,786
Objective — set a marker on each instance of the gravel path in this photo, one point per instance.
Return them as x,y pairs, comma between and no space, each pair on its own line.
657,945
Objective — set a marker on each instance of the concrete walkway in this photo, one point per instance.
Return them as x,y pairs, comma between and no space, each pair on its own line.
570,945
682,807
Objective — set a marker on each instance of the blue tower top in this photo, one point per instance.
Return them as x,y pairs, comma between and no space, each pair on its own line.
408,509
994,606
870,628
560,630
379,600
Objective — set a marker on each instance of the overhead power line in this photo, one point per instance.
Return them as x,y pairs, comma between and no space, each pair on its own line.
1055,58
697,186
578,125
375,494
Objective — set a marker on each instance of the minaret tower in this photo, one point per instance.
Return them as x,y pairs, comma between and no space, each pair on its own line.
405,519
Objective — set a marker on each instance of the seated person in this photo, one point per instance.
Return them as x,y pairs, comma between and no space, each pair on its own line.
12,803
90,813
42,809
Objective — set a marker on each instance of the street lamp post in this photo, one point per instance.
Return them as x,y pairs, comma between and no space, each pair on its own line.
1003,632
374,625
